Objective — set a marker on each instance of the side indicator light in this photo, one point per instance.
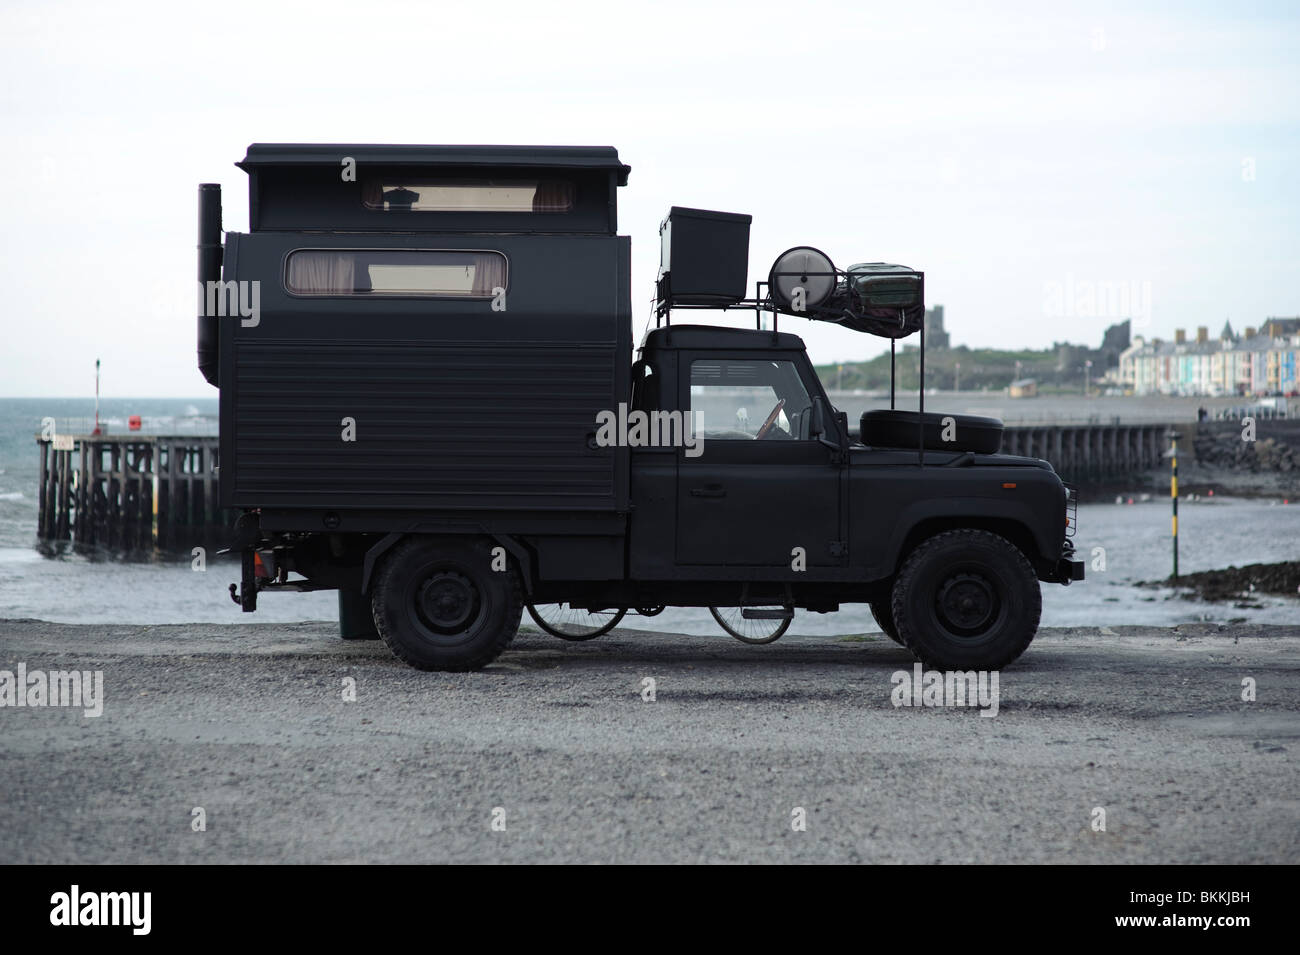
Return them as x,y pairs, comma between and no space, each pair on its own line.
1009,485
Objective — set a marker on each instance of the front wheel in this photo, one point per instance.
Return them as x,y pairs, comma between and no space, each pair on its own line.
966,599
439,604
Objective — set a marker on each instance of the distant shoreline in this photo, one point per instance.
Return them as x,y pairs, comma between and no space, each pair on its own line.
1237,583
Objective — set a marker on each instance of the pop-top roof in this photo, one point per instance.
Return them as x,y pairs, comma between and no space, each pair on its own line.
500,157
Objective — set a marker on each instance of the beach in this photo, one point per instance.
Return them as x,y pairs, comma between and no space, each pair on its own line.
555,754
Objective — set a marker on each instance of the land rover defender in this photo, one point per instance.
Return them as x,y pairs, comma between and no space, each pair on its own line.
435,408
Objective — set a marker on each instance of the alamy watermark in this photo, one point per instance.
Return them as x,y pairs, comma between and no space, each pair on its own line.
651,429
79,689
76,907
219,299
944,688
1086,298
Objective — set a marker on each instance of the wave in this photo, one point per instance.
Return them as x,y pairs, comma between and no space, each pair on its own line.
11,495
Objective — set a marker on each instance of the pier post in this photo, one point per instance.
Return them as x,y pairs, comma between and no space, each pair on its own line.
1173,490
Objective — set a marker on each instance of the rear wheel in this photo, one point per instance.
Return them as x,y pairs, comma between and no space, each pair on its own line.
966,599
570,623
439,605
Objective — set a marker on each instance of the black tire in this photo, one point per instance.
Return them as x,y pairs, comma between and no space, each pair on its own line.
966,600
902,429
576,632
884,614
439,605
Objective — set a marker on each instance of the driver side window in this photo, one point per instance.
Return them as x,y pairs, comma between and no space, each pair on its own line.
750,400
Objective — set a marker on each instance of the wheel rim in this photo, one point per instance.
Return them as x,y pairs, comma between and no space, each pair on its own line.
968,604
447,603
756,632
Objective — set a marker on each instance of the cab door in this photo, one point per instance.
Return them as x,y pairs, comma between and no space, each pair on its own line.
757,484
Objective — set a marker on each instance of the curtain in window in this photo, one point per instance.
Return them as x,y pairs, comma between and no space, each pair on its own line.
322,273
372,193
553,195
489,272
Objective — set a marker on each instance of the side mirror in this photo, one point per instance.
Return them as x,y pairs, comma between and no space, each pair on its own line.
817,429
817,424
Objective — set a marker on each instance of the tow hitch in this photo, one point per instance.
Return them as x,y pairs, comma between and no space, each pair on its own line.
253,574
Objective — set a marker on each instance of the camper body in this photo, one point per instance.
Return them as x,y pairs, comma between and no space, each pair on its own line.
435,411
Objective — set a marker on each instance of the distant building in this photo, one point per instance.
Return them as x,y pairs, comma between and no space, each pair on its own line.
1252,364
1113,343
1280,327
1068,356
935,336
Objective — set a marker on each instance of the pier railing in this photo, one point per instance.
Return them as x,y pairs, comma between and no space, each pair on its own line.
145,426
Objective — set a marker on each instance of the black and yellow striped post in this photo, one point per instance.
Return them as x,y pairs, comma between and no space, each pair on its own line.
1172,454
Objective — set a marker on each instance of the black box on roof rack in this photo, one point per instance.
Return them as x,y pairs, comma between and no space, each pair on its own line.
703,257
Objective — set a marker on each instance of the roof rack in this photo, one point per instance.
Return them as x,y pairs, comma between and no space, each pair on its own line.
763,301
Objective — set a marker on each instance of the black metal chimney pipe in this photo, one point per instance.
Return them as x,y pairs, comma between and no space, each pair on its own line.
209,271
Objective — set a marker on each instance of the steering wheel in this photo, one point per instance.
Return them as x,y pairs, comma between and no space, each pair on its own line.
771,420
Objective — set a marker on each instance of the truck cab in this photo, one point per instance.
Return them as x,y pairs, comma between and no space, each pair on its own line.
779,499
438,413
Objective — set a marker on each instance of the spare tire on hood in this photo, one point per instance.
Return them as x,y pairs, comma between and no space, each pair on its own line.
901,429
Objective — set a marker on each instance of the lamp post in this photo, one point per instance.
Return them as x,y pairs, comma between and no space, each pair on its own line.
1087,377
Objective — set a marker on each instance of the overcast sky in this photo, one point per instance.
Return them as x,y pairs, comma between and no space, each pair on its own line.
1021,154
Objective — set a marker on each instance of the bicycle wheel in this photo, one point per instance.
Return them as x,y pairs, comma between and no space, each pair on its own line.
569,623
756,632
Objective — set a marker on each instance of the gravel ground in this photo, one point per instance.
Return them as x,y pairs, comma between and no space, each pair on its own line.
249,723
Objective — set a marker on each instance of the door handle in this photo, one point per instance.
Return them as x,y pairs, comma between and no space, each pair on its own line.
711,491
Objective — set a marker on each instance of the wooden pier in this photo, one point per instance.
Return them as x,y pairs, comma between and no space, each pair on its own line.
1086,454
131,492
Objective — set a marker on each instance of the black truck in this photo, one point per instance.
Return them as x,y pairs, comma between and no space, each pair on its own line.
430,402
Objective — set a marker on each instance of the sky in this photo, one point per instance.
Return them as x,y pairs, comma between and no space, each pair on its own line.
1052,168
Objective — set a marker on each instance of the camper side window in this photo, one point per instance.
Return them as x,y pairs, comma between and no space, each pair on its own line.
415,272
467,195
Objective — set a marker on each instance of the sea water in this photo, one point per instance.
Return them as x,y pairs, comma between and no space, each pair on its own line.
1121,544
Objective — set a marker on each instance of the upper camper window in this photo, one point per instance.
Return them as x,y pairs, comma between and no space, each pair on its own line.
422,272
467,195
